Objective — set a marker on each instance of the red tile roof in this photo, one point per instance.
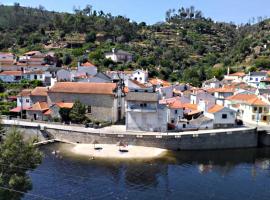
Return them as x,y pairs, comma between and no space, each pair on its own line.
11,73
87,64
39,91
25,93
156,81
65,105
241,74
39,106
83,88
215,108
176,105
250,99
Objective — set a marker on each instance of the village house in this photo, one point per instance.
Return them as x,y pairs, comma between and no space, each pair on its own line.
144,113
250,107
235,77
222,117
39,94
254,78
212,83
104,101
11,76
88,68
119,56
6,58
221,94
23,103
140,76
37,111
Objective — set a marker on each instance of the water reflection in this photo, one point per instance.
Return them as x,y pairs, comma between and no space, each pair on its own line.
191,175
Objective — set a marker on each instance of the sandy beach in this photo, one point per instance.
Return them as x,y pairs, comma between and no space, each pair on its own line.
112,151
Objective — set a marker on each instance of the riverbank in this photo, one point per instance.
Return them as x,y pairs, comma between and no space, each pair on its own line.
113,151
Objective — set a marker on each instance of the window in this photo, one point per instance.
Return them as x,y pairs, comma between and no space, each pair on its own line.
264,118
140,78
224,116
172,121
40,76
184,125
175,112
251,79
260,109
27,100
253,117
89,109
257,79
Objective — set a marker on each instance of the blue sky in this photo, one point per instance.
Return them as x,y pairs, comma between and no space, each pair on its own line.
152,11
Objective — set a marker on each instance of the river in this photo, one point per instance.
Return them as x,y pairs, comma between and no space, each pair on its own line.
195,175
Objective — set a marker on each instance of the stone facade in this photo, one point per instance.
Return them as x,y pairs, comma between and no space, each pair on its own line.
103,107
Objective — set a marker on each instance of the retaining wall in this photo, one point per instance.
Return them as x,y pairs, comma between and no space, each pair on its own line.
224,140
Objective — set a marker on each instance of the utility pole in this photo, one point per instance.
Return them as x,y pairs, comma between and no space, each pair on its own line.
21,94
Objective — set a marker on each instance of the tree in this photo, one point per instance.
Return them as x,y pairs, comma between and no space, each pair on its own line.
2,130
91,37
67,59
64,113
17,157
77,113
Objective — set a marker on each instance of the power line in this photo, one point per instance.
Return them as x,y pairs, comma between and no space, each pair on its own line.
25,193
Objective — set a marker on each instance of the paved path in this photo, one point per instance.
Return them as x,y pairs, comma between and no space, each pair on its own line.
115,129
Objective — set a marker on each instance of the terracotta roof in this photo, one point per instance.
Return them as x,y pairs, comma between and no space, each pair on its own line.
138,84
257,102
242,97
176,105
87,64
18,109
11,73
65,105
221,90
39,106
156,81
25,93
250,99
39,91
241,74
190,106
215,108
48,112
83,88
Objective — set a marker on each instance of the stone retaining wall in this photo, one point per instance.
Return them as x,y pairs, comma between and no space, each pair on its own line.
225,140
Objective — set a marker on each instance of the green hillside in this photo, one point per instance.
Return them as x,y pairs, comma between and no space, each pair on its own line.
187,47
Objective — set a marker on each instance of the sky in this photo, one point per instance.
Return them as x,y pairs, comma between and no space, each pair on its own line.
152,11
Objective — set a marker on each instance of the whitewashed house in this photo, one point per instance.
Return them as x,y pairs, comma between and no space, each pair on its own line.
212,83
250,107
140,76
119,56
222,117
235,77
254,78
144,113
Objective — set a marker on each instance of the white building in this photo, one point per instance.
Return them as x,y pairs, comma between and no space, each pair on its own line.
144,113
212,83
235,77
223,117
254,78
140,76
250,107
119,56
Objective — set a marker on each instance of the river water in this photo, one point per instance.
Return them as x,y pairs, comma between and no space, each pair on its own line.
196,175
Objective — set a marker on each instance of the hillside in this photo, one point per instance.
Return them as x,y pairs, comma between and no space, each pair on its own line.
187,47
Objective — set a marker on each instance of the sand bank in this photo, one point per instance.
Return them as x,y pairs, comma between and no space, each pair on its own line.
112,151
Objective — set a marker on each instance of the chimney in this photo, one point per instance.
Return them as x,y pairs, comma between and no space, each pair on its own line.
113,50
228,71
